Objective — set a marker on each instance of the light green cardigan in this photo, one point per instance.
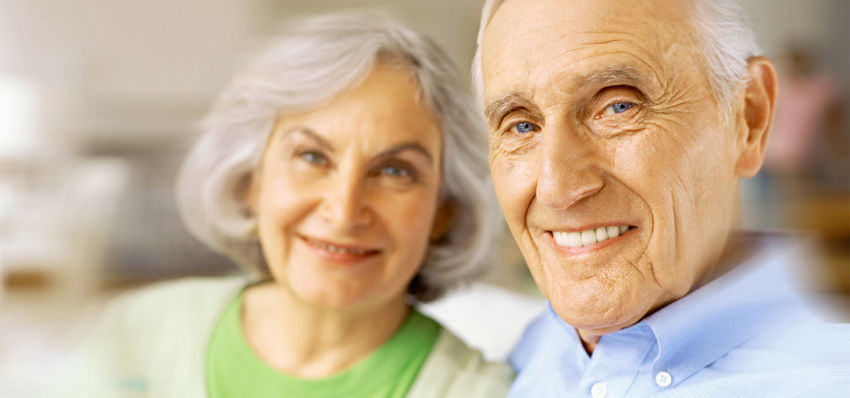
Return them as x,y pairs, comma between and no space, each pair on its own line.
153,343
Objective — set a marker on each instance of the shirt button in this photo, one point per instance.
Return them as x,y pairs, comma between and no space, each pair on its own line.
598,390
663,379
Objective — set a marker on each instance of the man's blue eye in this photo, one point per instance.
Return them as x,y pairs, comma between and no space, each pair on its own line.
621,107
524,127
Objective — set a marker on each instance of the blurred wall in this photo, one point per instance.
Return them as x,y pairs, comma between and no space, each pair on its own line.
132,71
822,24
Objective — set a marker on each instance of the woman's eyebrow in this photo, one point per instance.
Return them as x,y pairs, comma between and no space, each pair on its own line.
321,141
310,134
407,146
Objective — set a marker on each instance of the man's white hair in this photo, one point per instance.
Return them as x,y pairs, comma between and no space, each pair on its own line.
721,27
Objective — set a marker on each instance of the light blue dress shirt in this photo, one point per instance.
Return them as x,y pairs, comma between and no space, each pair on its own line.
745,334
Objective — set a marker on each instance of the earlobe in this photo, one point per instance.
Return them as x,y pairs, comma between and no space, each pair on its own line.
442,220
759,105
248,189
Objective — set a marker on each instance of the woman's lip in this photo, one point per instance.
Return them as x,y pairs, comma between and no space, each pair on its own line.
590,248
344,254
313,240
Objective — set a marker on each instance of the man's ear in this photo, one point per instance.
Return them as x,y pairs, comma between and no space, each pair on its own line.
759,105
442,220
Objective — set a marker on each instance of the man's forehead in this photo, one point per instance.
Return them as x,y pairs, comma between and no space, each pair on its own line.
537,41
596,11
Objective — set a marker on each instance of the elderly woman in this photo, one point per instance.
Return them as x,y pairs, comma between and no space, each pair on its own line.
346,168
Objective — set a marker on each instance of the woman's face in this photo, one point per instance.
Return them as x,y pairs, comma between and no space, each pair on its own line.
346,195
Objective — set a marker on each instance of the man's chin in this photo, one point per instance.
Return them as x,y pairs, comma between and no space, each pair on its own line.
597,319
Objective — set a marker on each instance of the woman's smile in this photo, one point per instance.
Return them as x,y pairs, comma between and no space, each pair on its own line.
340,253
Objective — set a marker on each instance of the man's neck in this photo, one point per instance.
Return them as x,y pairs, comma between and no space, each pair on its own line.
590,338
588,342
302,340
739,247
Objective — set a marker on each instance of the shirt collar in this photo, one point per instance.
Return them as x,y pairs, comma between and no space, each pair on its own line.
695,330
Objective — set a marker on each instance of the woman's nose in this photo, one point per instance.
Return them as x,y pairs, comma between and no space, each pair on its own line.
344,205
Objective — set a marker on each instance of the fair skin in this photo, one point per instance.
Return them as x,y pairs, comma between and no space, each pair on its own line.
600,118
345,198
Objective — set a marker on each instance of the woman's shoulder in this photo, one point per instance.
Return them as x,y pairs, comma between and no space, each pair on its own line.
152,337
188,299
167,310
187,294
185,287
453,369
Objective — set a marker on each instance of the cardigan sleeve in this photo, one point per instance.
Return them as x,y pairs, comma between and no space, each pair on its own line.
453,370
150,342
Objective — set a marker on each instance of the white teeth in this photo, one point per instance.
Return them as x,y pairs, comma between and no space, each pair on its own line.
588,237
601,234
337,249
568,239
574,239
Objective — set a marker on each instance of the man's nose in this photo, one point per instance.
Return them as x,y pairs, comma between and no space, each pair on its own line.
344,204
567,171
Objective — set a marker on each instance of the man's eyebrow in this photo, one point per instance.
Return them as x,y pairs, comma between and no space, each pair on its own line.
309,133
407,146
619,74
497,109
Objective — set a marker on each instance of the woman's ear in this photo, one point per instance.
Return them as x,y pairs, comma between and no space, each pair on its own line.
249,191
759,105
442,220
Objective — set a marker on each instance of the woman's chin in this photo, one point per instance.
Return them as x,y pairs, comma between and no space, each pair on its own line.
336,298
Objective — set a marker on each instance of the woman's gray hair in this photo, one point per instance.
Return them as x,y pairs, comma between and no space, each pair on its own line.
304,69
726,40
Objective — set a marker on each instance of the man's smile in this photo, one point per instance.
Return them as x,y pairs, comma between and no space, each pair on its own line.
589,239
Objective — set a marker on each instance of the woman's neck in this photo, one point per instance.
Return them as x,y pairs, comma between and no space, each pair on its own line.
309,342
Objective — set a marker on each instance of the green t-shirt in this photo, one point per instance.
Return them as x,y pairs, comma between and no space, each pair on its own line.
234,370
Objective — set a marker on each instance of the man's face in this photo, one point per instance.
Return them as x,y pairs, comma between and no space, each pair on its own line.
610,160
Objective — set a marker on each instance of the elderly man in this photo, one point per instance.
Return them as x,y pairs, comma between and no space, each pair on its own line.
618,132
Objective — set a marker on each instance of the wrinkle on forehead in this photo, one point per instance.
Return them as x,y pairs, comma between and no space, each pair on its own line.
541,47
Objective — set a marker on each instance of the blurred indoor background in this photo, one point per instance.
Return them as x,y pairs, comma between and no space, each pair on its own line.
99,102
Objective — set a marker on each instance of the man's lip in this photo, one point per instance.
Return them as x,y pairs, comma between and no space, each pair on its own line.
337,251
589,248
585,227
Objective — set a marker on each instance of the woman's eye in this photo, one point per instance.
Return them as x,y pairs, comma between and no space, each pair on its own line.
395,171
313,157
524,127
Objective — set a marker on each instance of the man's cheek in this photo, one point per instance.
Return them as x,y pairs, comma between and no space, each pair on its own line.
514,183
